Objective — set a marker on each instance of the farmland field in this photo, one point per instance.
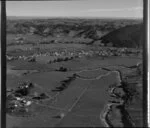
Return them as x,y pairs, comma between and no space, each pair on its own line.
68,78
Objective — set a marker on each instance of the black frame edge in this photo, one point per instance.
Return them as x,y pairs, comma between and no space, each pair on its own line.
3,64
145,63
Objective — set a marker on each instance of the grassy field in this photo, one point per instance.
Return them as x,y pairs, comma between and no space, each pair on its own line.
82,101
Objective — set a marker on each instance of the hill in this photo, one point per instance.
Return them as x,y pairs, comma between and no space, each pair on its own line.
80,31
128,36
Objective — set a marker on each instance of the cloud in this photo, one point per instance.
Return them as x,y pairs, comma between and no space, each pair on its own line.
110,10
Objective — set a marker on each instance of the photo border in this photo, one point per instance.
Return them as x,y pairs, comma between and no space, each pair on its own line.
3,60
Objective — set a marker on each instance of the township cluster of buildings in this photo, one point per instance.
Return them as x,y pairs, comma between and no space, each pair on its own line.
64,55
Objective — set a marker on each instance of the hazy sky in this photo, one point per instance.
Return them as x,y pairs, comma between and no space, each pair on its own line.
76,8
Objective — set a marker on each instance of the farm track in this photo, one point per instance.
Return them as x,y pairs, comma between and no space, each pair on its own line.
78,99
52,107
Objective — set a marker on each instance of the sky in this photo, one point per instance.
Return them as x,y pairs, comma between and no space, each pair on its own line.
77,8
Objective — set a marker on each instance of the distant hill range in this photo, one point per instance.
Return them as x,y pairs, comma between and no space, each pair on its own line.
114,32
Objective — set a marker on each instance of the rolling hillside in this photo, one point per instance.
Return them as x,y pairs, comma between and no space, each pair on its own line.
129,36
121,33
